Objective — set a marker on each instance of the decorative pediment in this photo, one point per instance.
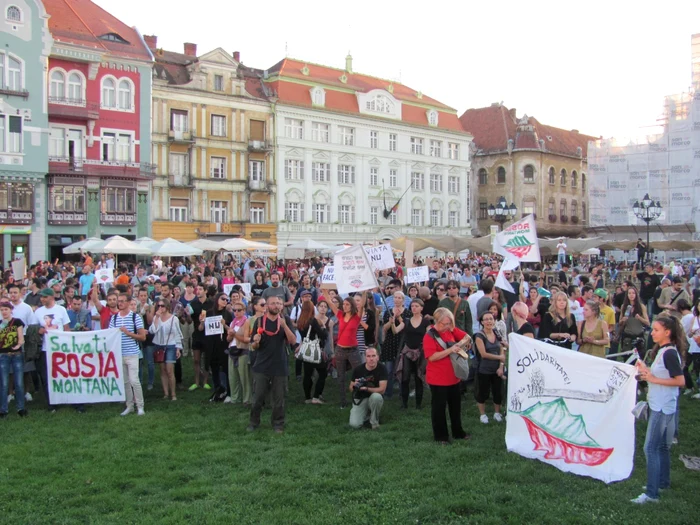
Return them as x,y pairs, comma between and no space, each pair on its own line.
321,155
395,164
375,162
346,158
379,102
218,57
418,166
436,167
294,152
454,170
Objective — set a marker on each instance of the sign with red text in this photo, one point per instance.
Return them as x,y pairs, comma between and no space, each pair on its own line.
84,367
353,271
519,241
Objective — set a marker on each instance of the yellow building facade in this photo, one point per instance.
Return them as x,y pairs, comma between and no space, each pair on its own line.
212,129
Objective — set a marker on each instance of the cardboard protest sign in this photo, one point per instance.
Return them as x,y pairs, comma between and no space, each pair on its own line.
104,275
227,284
19,269
353,272
84,367
213,325
328,278
246,289
380,257
519,241
417,274
570,410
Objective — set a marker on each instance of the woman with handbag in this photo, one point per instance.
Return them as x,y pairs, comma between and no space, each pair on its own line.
346,348
439,343
167,338
634,319
394,322
490,365
313,334
239,375
411,362
215,346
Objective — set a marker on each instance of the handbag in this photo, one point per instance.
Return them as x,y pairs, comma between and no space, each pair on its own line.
460,363
159,352
310,349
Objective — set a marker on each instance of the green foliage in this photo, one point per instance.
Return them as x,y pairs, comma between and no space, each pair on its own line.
191,461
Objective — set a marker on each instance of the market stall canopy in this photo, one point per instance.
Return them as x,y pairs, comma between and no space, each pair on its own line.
173,248
121,246
205,244
86,245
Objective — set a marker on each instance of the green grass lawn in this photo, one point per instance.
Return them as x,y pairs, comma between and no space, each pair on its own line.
190,461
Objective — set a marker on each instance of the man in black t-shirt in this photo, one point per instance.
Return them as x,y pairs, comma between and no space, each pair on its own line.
368,400
649,282
270,369
200,360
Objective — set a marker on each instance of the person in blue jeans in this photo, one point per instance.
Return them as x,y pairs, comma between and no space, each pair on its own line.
664,378
11,359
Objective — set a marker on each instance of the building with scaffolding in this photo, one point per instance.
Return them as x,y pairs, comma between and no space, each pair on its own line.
664,165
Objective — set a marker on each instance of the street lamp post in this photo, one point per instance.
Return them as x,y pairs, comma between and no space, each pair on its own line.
648,212
501,212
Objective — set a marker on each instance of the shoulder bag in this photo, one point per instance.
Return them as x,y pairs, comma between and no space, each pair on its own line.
310,349
460,364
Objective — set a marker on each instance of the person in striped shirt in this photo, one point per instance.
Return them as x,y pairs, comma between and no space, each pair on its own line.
133,331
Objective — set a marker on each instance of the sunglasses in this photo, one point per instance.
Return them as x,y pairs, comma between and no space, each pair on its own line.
238,310
161,306
440,289
223,299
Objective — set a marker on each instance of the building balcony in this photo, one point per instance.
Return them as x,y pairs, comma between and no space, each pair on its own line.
259,185
67,217
180,137
100,168
16,217
5,90
180,181
73,108
118,219
259,145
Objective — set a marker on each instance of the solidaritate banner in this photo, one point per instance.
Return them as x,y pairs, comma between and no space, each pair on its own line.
84,367
570,410
353,272
519,241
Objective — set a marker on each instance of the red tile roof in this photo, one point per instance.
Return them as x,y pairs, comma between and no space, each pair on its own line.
338,98
493,126
82,23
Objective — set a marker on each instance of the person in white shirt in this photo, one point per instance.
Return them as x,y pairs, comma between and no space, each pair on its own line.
561,252
472,300
21,310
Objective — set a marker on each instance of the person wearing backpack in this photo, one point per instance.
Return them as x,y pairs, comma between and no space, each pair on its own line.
490,366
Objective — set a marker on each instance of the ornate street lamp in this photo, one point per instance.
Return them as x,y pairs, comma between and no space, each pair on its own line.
648,212
501,212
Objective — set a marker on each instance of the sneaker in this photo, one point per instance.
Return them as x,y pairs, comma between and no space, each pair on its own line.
141,412
22,413
10,398
639,500
343,405
227,400
28,397
317,401
149,387
498,417
191,389
206,387
412,393
484,419
695,396
375,426
250,428
308,401
687,392
129,410
675,441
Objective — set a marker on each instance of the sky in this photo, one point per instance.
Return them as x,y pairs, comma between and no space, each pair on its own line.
600,67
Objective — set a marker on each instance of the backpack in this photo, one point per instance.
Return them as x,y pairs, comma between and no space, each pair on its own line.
133,320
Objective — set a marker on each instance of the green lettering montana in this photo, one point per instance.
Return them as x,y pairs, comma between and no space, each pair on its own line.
518,240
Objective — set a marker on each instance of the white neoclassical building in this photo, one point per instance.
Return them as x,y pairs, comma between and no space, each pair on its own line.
349,146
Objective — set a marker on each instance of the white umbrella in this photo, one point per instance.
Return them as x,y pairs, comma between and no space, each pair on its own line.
310,245
146,241
237,244
121,246
86,245
173,248
205,244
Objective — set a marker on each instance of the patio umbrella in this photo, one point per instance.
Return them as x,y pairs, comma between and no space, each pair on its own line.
173,248
205,244
86,245
146,241
121,246
310,245
236,244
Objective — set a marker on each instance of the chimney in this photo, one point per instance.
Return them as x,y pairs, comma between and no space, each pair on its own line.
151,41
237,56
348,63
190,49
574,131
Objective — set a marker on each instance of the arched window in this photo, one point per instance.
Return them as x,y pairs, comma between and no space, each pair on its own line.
550,210
433,117
551,175
562,208
562,176
583,182
483,177
75,88
124,94
380,104
318,96
574,179
58,85
529,174
574,209
501,177
14,14
109,93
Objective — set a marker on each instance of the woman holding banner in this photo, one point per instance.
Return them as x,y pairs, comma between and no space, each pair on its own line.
167,338
558,324
348,321
215,345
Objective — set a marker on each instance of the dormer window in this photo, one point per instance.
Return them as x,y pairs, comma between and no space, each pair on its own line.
13,14
113,37
318,96
432,117
380,104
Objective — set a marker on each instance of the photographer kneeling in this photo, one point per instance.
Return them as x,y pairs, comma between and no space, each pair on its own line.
368,383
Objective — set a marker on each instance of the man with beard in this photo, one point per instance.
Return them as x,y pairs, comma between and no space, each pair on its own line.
270,368
458,306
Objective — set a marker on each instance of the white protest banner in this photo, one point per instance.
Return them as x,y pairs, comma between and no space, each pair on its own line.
508,265
213,325
328,278
380,257
246,289
104,275
19,269
417,274
353,272
84,367
519,241
570,410
227,284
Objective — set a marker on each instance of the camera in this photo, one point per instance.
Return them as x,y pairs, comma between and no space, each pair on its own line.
359,383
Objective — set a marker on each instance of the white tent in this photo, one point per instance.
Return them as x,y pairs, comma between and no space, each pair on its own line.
236,244
146,241
121,246
205,244
310,245
86,245
173,248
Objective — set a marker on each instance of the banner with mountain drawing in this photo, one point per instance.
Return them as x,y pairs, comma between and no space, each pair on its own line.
519,241
570,410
